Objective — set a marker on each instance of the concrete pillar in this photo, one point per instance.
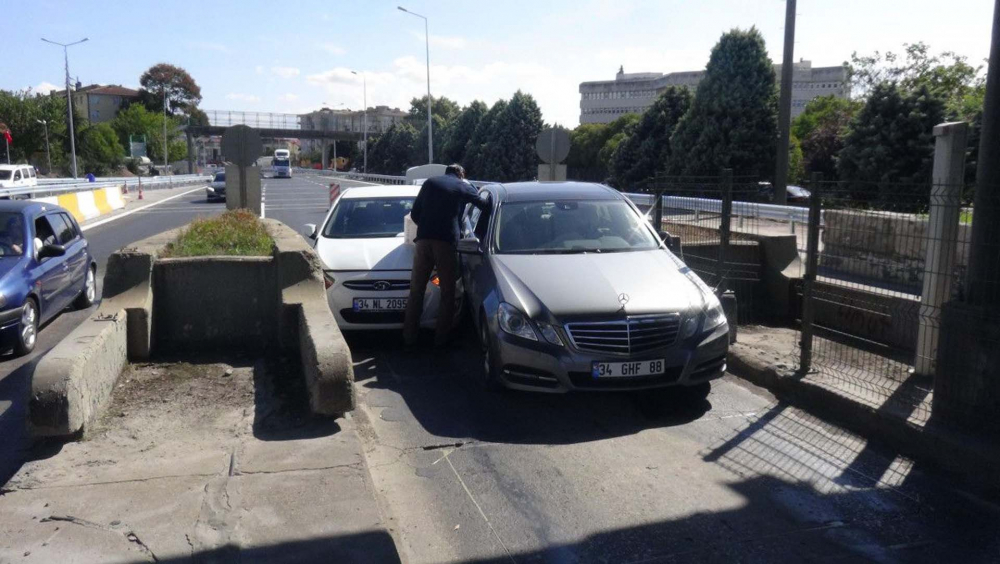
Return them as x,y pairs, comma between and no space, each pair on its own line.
942,238
325,158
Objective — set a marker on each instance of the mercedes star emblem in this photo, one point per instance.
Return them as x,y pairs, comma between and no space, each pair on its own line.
623,299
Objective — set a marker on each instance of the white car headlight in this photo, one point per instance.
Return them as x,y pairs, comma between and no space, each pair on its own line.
514,322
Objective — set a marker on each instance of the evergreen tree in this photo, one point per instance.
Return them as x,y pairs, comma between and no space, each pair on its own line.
100,151
732,122
514,139
647,149
481,154
462,130
890,140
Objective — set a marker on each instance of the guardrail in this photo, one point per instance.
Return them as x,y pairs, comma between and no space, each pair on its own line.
744,209
378,178
78,186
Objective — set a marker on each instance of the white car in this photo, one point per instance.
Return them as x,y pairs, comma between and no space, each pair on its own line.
367,260
17,176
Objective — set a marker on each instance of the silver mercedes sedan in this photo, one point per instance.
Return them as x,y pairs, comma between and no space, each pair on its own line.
571,289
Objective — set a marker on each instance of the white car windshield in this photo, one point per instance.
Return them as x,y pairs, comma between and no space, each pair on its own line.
572,226
367,218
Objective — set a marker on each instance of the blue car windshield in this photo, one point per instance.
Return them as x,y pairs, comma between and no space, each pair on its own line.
572,226
12,234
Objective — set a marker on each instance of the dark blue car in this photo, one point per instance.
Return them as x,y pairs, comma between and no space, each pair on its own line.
45,266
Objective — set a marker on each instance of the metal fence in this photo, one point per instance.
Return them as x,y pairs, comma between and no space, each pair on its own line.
65,186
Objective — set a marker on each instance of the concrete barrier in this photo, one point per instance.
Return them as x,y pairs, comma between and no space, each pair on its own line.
89,204
72,384
152,304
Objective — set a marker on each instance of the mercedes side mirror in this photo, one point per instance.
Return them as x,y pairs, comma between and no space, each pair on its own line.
470,246
311,230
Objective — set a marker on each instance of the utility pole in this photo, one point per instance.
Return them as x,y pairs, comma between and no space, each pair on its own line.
430,120
984,266
164,128
364,79
48,154
69,97
785,107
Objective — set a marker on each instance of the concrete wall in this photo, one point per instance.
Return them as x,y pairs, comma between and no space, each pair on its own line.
890,320
214,302
883,246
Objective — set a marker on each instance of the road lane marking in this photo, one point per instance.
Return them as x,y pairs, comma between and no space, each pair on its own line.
138,209
481,512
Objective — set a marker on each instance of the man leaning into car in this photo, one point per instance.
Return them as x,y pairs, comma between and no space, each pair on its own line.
436,211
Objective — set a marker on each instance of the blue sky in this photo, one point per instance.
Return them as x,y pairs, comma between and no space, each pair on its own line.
296,56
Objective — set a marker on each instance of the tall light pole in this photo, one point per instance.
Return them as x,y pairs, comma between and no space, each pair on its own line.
785,108
69,97
364,80
48,155
430,120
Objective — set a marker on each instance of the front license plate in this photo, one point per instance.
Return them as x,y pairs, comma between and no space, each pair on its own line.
379,304
628,369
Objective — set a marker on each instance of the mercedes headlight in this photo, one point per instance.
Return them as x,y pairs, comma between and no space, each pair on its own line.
714,314
550,334
514,322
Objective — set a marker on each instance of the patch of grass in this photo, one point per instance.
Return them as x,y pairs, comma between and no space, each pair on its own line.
234,233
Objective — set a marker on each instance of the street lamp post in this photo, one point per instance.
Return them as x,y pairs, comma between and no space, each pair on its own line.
430,120
48,155
165,129
69,97
364,80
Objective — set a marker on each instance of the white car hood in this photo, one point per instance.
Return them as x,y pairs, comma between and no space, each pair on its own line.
381,253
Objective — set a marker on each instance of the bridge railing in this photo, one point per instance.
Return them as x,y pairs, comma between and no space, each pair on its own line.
270,120
55,188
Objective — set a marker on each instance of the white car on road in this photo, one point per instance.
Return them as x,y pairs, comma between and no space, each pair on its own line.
17,176
367,260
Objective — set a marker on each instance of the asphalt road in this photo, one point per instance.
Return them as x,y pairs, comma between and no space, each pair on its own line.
465,475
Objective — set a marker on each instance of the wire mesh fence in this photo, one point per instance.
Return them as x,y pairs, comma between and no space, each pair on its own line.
885,259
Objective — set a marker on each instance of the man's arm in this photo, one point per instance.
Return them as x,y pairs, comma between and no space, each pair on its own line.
471,196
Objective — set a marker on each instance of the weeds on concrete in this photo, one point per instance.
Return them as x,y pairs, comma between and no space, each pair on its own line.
235,233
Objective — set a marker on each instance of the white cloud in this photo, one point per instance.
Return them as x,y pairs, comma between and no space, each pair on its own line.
288,97
259,69
332,48
242,97
285,72
45,87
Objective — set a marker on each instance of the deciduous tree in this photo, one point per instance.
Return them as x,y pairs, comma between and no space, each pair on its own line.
182,91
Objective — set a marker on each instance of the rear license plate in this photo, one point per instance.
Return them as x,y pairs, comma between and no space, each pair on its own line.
379,304
628,369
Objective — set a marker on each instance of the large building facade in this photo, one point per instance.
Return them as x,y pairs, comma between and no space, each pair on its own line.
380,119
100,103
607,100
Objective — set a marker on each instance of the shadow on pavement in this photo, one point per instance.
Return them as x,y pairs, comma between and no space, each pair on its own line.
801,526
281,403
442,391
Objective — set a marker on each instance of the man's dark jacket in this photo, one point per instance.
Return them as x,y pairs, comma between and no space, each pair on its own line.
439,206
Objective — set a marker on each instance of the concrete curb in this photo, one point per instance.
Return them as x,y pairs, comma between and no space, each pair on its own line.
72,384
975,460
89,203
305,313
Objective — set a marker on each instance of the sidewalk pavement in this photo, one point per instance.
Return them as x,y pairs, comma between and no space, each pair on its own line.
882,410
199,462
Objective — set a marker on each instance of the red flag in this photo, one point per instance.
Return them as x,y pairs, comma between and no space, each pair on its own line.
6,135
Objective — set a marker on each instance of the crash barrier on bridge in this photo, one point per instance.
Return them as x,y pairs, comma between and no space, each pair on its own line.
131,181
153,304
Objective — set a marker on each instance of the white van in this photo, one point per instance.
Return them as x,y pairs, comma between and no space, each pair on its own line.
18,176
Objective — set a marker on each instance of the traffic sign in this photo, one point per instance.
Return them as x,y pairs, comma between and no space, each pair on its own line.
553,144
241,145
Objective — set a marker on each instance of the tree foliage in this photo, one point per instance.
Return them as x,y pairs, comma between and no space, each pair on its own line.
646,150
483,152
461,132
890,139
589,154
136,121
820,130
442,106
100,151
182,91
947,75
20,111
515,133
392,152
732,122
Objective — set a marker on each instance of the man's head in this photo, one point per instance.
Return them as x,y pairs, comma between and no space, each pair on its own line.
455,170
